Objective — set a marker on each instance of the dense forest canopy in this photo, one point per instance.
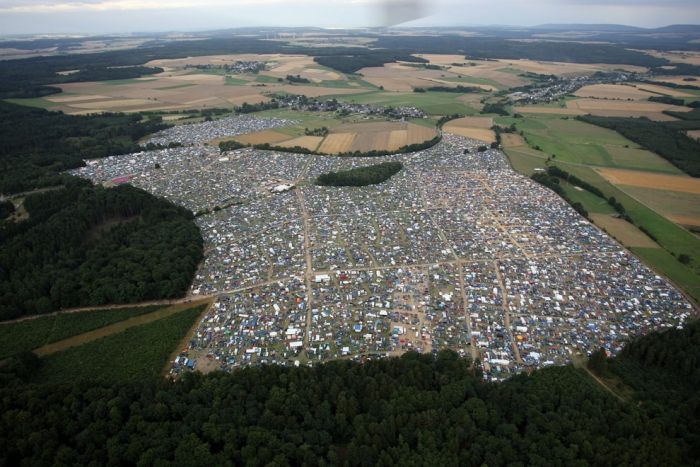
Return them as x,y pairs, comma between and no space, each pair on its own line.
413,410
85,245
361,176
491,47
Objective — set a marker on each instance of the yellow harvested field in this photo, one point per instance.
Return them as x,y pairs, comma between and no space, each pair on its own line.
694,134
616,108
375,136
613,91
336,143
371,141
308,142
397,139
512,140
110,104
262,137
652,180
474,133
685,220
623,231
664,90
471,122
399,77
181,88
66,98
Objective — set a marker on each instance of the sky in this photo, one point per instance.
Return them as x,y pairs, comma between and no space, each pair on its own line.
123,16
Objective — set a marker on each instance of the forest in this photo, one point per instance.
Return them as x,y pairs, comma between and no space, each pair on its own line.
492,47
84,245
457,89
412,410
662,138
33,77
348,62
81,244
361,176
36,145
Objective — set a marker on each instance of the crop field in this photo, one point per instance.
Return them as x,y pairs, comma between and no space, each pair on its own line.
400,77
347,137
623,231
433,103
308,142
478,128
578,142
180,88
26,335
651,180
262,137
337,142
617,108
681,207
614,91
138,352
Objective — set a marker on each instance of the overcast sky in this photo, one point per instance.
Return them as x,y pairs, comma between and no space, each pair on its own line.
113,16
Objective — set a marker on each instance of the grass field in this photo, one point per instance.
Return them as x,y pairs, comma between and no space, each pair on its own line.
581,143
669,266
432,103
30,334
138,352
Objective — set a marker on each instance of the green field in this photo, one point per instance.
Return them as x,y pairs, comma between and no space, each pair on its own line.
22,336
592,203
136,353
38,102
265,79
432,103
666,202
176,86
581,143
669,266
232,81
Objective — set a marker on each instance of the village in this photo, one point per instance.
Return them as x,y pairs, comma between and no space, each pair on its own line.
455,251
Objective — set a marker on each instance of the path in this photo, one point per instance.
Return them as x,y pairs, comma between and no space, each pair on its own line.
309,266
582,362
